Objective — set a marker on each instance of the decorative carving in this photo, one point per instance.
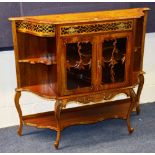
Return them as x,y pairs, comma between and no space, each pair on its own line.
38,29
95,97
96,28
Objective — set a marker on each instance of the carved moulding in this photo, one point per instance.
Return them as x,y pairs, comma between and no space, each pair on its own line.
94,97
96,28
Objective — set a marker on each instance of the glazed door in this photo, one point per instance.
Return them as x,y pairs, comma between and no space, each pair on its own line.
113,60
79,69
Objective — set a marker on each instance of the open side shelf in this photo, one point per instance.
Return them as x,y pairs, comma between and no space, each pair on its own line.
47,60
80,115
43,90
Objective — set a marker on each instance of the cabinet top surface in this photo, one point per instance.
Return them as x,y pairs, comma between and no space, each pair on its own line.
85,16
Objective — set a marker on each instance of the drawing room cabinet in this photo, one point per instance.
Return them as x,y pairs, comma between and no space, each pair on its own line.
83,57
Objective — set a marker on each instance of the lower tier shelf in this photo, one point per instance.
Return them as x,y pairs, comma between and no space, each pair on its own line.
80,115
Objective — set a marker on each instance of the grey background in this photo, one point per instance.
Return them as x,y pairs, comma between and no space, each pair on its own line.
13,9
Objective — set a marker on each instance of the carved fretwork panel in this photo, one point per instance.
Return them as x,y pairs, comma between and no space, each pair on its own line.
113,60
38,29
46,29
78,62
97,28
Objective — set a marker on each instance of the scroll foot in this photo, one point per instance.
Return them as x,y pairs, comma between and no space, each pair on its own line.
130,129
20,129
56,143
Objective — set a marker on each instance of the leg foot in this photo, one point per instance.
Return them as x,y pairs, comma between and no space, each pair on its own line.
138,109
56,146
130,129
56,143
20,129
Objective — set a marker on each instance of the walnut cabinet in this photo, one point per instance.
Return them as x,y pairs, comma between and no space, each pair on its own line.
84,57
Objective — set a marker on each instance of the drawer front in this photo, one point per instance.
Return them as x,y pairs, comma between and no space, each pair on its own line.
100,27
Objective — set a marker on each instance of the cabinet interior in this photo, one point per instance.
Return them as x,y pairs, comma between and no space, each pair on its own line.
78,57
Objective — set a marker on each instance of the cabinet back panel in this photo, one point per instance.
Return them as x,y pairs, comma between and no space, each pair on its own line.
30,46
52,76
34,74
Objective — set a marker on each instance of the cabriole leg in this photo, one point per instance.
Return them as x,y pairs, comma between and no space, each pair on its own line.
57,110
140,87
133,99
16,99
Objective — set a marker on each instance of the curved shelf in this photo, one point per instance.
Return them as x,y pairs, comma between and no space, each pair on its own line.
44,60
43,90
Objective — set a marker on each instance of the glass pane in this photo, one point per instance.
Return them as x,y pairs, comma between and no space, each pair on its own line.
78,57
113,60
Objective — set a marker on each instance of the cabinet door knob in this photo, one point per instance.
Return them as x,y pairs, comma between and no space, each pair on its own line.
99,64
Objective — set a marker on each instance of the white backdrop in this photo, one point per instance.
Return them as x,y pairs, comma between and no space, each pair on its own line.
32,103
